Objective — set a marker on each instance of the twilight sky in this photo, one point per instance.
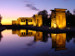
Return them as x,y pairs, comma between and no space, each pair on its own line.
13,9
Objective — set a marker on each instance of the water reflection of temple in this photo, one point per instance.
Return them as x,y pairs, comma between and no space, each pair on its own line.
24,33
38,36
58,41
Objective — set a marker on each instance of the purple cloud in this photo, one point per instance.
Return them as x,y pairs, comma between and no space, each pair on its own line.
32,7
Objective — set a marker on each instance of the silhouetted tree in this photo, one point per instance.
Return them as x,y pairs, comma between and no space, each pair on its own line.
44,14
49,20
74,11
69,19
68,13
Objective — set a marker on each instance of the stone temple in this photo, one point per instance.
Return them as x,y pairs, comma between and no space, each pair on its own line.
58,18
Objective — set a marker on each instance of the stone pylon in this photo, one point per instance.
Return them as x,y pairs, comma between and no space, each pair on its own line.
58,18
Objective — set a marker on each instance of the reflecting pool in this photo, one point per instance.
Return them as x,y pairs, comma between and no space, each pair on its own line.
35,43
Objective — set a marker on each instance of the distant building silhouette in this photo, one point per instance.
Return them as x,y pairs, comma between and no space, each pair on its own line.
35,21
58,18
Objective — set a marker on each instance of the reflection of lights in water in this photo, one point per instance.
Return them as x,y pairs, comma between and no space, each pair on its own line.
49,27
24,33
48,35
59,41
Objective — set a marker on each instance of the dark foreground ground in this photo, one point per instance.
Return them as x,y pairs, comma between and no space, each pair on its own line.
43,28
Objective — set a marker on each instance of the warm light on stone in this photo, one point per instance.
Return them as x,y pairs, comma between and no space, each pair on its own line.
35,21
55,26
58,18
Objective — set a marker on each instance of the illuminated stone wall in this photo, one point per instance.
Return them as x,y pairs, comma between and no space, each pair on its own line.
38,20
58,41
58,18
25,21
14,22
35,21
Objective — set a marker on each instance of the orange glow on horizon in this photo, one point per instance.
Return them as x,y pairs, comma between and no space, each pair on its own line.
7,21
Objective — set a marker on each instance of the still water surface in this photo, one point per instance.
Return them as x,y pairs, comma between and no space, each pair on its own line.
35,43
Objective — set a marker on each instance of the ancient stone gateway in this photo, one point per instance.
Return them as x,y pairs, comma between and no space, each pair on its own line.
58,18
